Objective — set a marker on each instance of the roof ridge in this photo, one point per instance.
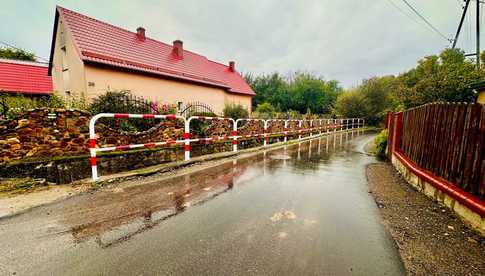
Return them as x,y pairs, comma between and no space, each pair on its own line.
24,62
128,31
220,63
92,18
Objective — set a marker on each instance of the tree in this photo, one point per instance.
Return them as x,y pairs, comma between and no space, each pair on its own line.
370,100
19,54
300,92
269,88
311,92
443,77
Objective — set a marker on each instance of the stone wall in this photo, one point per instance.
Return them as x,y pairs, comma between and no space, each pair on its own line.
44,133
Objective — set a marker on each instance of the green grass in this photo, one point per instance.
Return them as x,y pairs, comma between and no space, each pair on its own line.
381,143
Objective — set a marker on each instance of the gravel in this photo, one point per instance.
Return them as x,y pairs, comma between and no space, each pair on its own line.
430,238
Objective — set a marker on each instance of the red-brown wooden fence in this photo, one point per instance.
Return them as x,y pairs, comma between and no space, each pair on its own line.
448,139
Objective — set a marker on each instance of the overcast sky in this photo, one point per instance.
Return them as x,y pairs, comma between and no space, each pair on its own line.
346,40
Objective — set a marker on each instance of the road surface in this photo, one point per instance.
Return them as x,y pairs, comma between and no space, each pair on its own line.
302,210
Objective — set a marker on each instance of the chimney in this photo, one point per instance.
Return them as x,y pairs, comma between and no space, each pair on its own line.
140,33
178,48
232,66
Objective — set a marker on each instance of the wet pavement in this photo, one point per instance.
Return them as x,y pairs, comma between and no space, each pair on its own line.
303,209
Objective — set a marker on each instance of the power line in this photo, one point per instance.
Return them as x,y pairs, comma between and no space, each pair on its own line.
404,13
16,48
426,21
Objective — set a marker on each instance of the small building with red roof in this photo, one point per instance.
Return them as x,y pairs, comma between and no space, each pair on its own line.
24,77
89,57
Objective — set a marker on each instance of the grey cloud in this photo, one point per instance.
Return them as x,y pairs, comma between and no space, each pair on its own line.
344,40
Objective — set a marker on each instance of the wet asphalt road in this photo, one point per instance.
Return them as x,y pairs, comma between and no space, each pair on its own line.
301,210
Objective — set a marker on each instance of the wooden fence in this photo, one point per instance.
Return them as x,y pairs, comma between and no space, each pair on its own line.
448,140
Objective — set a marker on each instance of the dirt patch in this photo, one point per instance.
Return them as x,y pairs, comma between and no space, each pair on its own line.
430,238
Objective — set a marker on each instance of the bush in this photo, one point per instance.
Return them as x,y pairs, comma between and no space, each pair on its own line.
11,105
381,143
235,111
265,111
123,102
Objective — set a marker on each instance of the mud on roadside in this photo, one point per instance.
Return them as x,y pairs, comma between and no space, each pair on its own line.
430,238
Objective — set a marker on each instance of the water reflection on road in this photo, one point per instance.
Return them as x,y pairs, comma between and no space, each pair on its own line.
301,209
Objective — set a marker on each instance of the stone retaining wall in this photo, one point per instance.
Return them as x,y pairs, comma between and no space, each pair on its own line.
44,133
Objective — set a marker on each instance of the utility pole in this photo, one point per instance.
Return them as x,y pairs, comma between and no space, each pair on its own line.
461,23
465,8
478,34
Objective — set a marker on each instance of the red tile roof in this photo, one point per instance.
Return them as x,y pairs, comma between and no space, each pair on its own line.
103,43
24,77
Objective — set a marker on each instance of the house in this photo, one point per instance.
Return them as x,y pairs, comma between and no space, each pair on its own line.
89,57
24,77
479,88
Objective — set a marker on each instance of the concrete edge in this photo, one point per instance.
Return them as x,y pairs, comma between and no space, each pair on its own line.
469,217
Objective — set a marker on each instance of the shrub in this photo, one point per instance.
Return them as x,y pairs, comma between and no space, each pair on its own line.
11,105
265,111
381,143
123,102
235,111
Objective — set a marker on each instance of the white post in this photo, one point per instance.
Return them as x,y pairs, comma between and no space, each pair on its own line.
286,131
234,135
299,129
187,140
92,144
311,128
265,133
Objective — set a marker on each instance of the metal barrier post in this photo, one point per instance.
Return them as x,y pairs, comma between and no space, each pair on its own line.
234,137
299,129
92,136
187,140
92,146
311,128
265,133
285,129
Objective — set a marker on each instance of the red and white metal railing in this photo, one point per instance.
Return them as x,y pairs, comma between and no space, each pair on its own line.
249,135
93,149
204,118
331,124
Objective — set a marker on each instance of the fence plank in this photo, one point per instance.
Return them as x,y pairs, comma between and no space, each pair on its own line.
449,140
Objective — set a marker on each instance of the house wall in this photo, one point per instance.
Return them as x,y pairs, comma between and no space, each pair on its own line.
73,78
243,100
102,79
481,97
68,76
